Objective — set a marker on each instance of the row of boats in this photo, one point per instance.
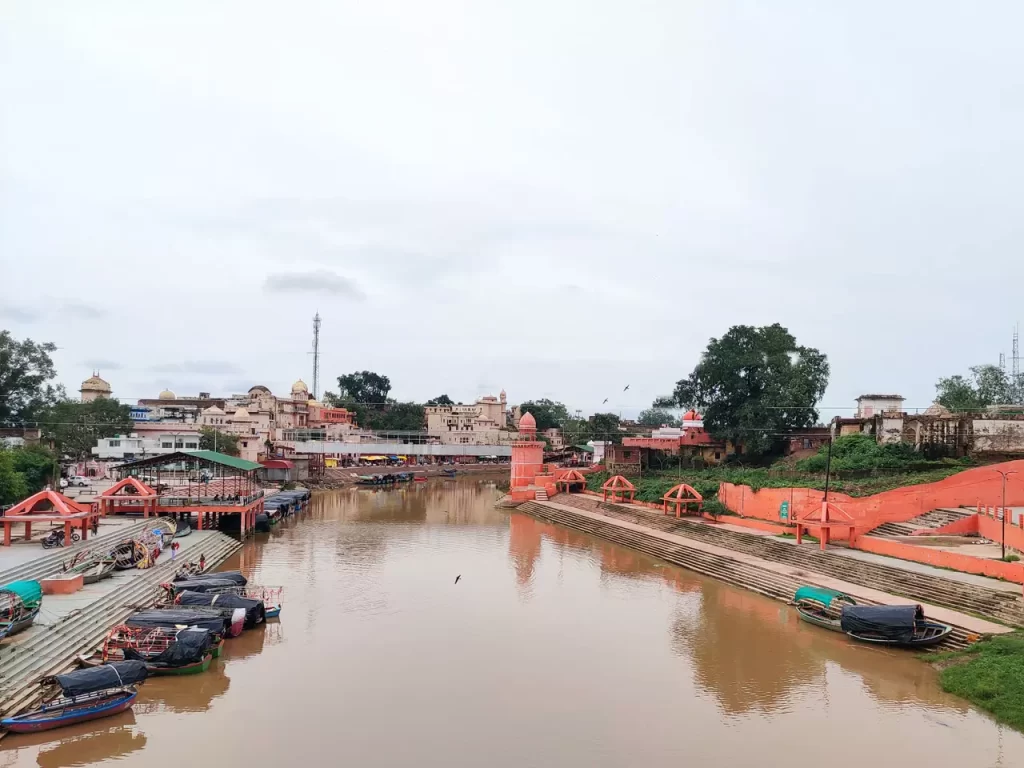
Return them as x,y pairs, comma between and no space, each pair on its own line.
896,625
21,601
180,635
399,477
279,506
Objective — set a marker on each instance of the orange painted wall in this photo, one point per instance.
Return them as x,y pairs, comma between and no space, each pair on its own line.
995,568
992,529
959,528
980,485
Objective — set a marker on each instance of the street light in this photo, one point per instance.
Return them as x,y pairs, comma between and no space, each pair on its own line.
1004,473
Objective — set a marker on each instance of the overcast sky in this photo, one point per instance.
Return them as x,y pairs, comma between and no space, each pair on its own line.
558,198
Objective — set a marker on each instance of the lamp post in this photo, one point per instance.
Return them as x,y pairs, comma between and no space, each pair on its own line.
1004,473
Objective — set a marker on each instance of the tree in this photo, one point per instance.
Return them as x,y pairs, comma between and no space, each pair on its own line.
605,426
364,387
211,439
396,417
25,370
987,385
442,400
753,385
13,487
548,413
75,427
37,465
657,417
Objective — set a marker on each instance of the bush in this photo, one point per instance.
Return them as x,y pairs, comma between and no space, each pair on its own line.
862,453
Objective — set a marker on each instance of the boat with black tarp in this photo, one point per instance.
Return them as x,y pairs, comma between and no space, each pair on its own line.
164,650
211,619
899,625
255,610
85,694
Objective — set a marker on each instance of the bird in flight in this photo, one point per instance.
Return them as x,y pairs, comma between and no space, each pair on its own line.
627,387
457,578
605,401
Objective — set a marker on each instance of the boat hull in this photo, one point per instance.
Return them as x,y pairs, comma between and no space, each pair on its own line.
273,613
811,617
188,669
934,634
42,720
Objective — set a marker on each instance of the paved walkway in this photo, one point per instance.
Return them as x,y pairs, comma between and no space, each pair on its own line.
945,615
21,551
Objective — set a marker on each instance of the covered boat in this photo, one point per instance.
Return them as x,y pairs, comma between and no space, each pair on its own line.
202,584
178,617
821,607
20,602
902,625
233,576
86,694
190,652
255,610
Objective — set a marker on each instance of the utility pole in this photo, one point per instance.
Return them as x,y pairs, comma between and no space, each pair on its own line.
1004,473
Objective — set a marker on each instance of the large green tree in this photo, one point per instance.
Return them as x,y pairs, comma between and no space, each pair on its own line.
364,387
605,426
548,413
442,400
397,417
75,427
987,385
13,487
37,464
211,439
26,371
657,417
754,384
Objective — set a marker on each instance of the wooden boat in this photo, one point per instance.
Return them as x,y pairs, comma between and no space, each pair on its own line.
87,694
93,569
420,479
821,607
20,602
904,626
273,613
182,532
188,669
449,472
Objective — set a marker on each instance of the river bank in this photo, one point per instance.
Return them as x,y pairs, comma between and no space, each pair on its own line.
990,675
343,477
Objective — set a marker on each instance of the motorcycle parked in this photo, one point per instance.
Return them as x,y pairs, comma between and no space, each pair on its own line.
55,538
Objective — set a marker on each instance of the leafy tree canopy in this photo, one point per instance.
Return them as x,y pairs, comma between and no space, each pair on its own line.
657,417
211,439
987,385
13,487
442,400
25,372
753,384
548,413
75,427
364,387
396,417
605,426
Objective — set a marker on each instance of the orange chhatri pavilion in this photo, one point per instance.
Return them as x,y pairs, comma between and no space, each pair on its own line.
617,487
682,496
128,495
571,479
49,507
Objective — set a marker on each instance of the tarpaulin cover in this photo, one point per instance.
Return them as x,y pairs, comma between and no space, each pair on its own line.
888,622
189,647
255,611
113,675
821,595
234,576
212,620
203,584
30,592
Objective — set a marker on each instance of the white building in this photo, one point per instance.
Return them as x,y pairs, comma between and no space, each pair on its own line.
137,445
869,406
483,423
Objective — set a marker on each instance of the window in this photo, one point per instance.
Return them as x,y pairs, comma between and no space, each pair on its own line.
166,445
115,443
178,444
718,455
245,443
191,445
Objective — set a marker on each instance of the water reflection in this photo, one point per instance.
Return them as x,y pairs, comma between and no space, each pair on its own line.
83,744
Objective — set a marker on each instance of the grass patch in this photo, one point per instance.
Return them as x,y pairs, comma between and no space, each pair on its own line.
990,674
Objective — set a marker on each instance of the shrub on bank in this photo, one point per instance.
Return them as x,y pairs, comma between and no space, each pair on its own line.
989,674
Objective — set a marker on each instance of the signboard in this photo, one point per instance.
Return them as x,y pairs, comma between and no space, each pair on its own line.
784,511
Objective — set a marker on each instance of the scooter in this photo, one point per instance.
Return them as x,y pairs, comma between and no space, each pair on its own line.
55,538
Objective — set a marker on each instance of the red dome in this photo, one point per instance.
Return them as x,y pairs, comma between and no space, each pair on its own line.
691,415
527,423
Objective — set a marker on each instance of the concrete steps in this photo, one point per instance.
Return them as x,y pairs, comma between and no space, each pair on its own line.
934,519
50,563
1005,607
541,494
766,582
55,649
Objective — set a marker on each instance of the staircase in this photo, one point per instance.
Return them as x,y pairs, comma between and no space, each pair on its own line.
1002,606
934,519
541,495
766,582
52,650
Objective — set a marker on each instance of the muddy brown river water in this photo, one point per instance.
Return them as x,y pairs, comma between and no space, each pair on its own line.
554,649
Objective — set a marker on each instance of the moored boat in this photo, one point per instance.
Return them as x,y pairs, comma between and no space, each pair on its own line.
20,602
821,607
93,568
86,694
904,626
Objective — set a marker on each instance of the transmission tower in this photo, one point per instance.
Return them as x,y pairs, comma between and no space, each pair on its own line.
316,355
1015,382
